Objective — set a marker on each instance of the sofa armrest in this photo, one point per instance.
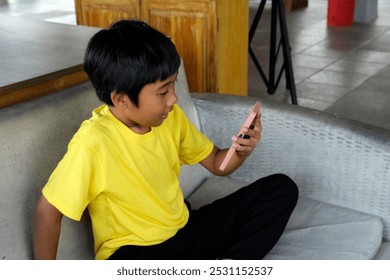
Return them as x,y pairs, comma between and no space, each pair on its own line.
332,159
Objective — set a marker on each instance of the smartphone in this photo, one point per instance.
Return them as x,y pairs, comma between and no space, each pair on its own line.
249,120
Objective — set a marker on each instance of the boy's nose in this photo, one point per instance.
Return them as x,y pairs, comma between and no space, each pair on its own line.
173,99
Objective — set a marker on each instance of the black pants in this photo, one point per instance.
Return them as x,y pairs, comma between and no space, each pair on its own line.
243,225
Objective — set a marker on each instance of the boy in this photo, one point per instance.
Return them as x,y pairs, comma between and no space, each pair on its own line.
123,164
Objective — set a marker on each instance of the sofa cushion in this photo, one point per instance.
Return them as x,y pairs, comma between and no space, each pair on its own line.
383,252
319,230
316,230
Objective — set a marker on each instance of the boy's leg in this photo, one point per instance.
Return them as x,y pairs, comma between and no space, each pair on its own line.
248,223
243,225
264,222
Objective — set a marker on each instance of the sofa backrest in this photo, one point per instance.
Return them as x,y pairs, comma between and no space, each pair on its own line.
332,159
34,137
191,176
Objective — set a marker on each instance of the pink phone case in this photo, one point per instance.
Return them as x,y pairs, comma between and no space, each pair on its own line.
247,123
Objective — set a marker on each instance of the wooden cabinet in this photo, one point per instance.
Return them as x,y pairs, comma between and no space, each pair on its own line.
211,36
101,13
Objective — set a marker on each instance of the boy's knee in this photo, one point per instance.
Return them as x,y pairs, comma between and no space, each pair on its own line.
288,185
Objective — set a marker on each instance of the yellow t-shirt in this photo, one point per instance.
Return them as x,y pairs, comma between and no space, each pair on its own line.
129,182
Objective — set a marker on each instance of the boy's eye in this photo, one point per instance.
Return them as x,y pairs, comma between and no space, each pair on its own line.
163,93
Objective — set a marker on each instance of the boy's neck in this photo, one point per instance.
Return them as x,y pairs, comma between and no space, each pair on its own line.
132,125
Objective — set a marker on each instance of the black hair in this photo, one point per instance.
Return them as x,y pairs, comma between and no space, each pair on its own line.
126,57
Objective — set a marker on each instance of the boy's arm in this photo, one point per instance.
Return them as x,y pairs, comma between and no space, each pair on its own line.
47,228
244,148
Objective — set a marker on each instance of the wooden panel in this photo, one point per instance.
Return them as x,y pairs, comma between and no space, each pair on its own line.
232,45
103,13
192,26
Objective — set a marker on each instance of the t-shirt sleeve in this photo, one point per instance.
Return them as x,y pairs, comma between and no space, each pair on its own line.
71,185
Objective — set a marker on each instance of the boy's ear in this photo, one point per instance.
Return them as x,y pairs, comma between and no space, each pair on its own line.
119,100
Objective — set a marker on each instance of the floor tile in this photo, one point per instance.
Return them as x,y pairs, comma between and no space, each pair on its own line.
313,104
377,83
327,93
366,106
384,72
363,67
323,49
348,79
313,61
370,56
301,73
381,44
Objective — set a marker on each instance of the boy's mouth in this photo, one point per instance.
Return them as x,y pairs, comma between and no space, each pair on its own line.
165,115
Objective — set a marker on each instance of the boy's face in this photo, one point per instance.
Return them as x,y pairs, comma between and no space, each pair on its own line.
155,101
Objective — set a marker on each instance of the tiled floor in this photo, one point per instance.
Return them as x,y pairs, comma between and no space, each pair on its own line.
343,70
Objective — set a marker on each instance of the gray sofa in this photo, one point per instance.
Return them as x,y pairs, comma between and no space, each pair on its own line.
342,169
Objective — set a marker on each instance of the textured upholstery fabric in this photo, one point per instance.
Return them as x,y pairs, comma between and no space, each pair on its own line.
34,137
191,176
384,252
316,230
357,240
